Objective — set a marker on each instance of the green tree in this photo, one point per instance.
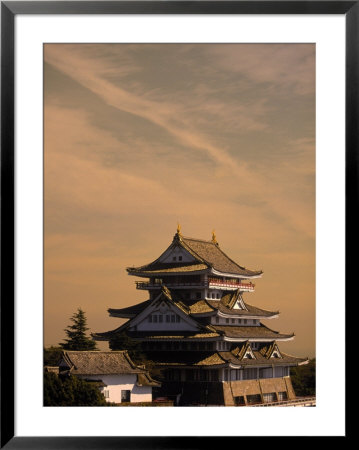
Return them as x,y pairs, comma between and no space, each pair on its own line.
76,334
52,355
121,341
71,391
303,379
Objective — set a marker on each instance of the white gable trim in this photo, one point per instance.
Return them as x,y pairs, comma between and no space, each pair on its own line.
276,351
155,305
248,352
176,253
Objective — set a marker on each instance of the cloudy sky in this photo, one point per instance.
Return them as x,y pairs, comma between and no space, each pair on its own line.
140,137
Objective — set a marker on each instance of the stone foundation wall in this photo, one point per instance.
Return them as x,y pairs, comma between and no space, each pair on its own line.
245,388
229,393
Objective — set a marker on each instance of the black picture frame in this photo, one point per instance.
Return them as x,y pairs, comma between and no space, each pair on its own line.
9,10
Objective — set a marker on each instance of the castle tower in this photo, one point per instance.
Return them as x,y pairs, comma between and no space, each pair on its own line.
197,327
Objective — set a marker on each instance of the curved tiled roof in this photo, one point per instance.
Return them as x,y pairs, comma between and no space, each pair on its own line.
260,331
174,335
260,359
218,358
250,311
181,358
157,267
130,311
100,363
207,254
211,253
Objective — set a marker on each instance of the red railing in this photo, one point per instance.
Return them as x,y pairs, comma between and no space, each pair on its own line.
148,285
226,283
212,282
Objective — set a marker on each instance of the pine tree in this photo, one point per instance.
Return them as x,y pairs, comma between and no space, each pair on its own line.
76,333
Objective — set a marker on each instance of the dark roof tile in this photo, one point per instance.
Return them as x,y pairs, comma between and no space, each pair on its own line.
99,363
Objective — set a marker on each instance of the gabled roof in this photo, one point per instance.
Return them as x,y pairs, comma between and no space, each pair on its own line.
227,302
207,255
260,360
210,252
219,358
268,349
99,363
195,307
252,332
240,351
166,295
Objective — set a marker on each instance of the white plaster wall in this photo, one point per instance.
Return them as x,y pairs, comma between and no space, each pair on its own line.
237,322
167,257
145,325
117,383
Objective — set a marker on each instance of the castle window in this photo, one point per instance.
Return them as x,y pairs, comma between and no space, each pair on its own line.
217,295
168,318
173,318
150,318
178,319
268,398
227,320
233,320
160,319
244,321
180,258
155,318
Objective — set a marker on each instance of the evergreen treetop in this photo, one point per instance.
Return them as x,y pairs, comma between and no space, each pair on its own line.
76,334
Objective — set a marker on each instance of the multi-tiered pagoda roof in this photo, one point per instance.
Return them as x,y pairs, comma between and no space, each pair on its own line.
196,317
206,256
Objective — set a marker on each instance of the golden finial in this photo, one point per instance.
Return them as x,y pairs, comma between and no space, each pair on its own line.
214,240
178,229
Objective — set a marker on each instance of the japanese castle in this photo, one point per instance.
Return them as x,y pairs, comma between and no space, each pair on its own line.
197,327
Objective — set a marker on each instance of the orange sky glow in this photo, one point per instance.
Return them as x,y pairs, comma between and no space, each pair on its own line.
140,137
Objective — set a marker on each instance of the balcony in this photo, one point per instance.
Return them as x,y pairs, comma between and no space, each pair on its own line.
229,285
211,283
176,284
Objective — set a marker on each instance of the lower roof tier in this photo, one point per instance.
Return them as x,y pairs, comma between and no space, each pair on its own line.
217,332
221,359
226,306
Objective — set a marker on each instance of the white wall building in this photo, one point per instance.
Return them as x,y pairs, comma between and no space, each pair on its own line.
121,380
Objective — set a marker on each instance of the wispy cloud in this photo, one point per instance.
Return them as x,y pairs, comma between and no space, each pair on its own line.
198,134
